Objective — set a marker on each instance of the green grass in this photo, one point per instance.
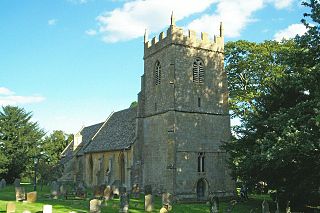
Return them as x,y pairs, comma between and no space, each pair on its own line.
136,205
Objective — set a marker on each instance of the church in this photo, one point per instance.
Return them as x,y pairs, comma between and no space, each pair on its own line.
172,139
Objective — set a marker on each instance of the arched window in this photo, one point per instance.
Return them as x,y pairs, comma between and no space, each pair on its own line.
157,73
200,162
198,71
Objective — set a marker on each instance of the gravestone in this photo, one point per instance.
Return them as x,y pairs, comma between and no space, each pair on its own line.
136,191
54,190
62,190
214,203
11,207
124,200
3,183
47,209
26,211
166,198
32,197
16,182
265,207
231,205
95,206
20,193
98,191
288,209
81,190
107,193
148,198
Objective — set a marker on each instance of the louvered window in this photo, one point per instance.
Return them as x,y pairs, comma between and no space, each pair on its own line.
157,73
198,71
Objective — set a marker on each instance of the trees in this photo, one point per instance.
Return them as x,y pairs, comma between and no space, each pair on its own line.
51,147
19,139
275,91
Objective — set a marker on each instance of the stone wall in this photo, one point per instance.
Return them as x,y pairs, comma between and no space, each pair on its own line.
98,167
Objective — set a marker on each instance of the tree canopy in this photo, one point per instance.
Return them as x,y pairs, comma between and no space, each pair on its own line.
275,91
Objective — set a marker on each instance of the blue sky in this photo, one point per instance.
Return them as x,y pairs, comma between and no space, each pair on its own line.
73,62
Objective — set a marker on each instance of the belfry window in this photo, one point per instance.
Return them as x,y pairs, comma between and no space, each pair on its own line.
201,162
157,73
198,71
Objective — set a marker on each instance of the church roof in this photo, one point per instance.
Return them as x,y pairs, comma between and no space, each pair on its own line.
117,133
87,134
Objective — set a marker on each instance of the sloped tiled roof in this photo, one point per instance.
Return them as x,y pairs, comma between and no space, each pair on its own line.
116,134
87,134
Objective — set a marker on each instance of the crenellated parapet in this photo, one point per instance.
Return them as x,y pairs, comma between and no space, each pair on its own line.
175,35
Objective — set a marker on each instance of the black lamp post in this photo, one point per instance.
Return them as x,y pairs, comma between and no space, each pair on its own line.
35,160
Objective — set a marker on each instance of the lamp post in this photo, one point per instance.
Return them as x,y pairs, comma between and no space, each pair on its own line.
35,160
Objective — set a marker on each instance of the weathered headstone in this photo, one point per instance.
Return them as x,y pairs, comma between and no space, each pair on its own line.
288,209
11,207
95,206
265,207
214,203
16,182
107,193
124,200
136,191
98,191
20,193
148,198
166,198
164,209
3,183
32,197
62,190
231,205
54,190
47,209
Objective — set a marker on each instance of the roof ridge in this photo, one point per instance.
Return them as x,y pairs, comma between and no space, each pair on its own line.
102,125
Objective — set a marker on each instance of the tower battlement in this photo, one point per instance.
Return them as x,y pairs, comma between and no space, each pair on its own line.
175,35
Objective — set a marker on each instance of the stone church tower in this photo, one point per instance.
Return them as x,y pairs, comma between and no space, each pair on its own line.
183,116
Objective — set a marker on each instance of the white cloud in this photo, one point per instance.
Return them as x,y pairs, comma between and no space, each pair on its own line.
91,32
130,20
281,4
235,15
7,97
78,1
290,32
134,17
52,22
5,91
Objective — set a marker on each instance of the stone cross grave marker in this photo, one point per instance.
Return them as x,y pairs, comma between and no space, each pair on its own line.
148,198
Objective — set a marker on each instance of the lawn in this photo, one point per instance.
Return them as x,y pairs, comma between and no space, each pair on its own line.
136,205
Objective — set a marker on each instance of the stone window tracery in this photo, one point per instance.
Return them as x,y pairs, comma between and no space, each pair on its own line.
157,73
198,71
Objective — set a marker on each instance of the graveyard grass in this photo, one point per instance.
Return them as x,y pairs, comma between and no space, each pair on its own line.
61,205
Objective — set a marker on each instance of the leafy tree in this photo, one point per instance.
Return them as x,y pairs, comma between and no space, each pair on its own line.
52,146
133,104
275,91
19,140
